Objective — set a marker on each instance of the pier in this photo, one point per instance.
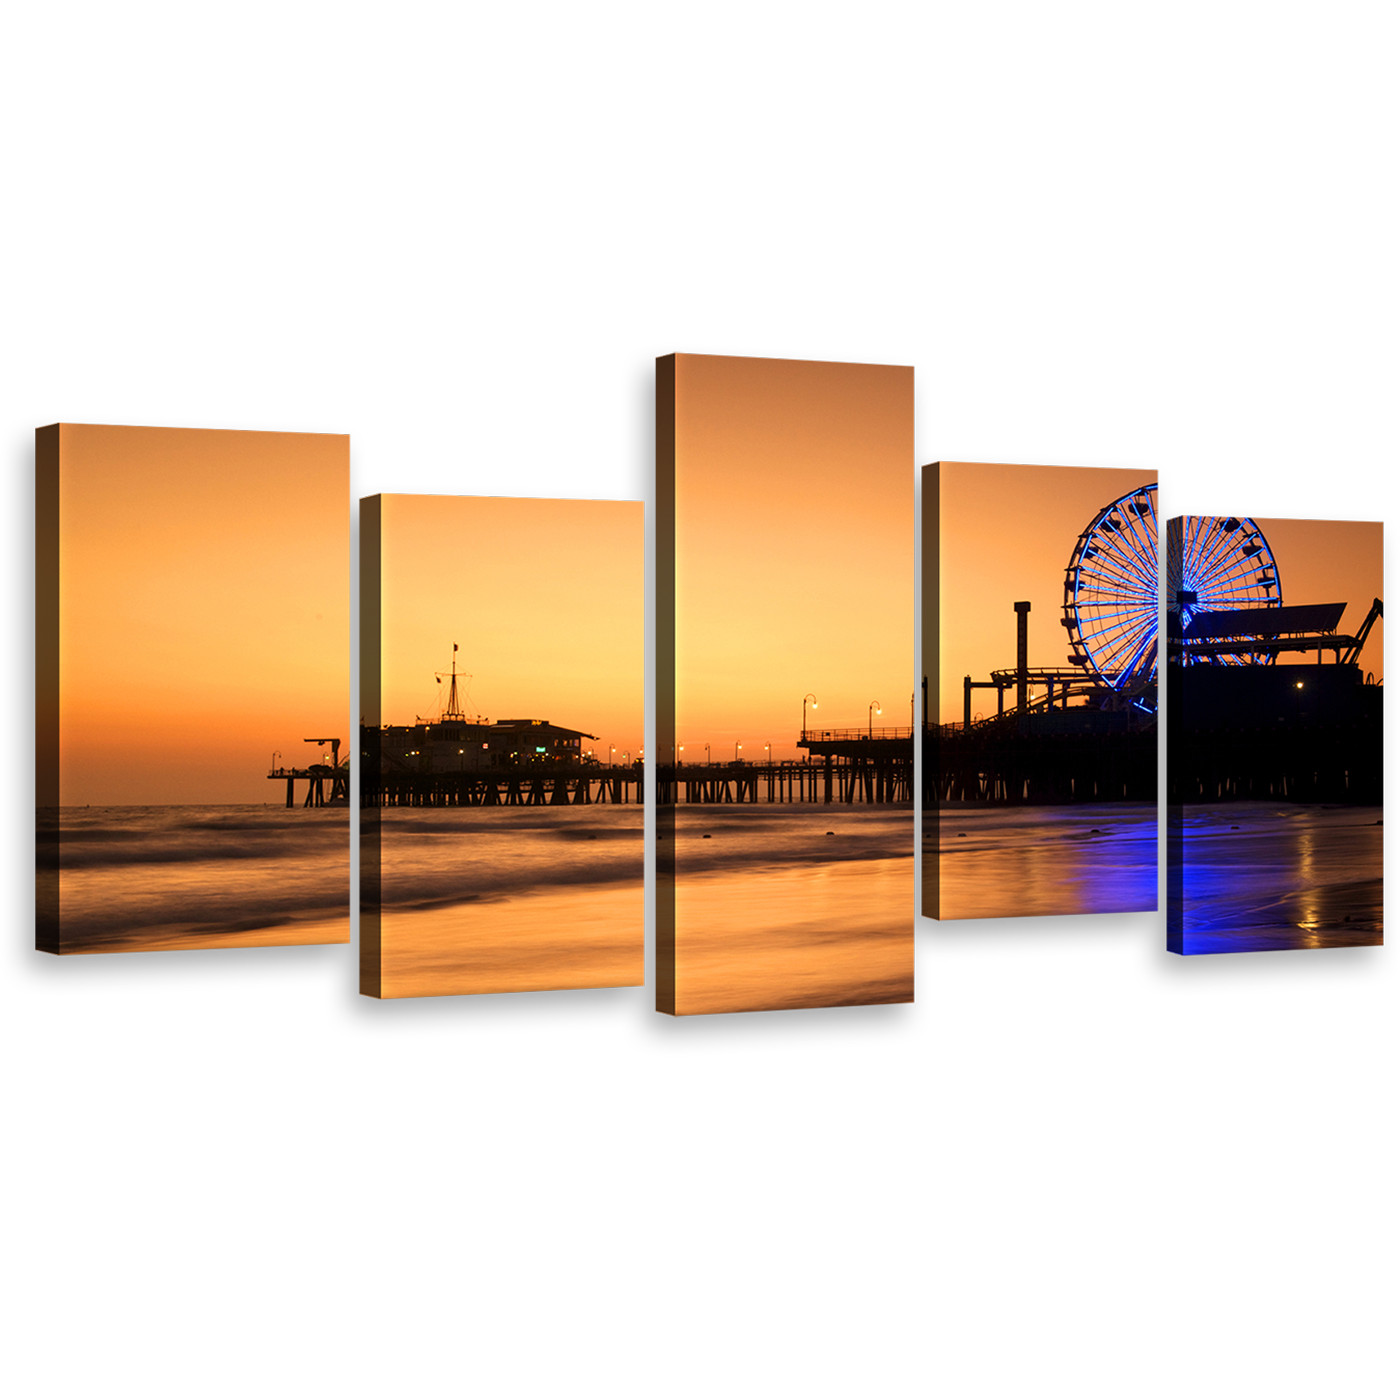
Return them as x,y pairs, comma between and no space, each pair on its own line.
1257,730
317,776
828,782
837,779
1008,763
861,778
528,786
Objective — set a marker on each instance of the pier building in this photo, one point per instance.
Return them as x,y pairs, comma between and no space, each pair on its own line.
454,744
471,761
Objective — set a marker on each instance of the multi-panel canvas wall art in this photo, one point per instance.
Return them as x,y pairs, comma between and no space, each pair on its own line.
1274,734
785,695
1039,623
501,794
192,650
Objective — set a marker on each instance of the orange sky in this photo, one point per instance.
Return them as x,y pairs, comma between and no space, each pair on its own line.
544,597
1331,561
205,597
794,549
1007,532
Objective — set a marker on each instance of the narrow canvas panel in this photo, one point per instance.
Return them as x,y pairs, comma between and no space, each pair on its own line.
1040,604
193,630
500,851
785,696
1274,734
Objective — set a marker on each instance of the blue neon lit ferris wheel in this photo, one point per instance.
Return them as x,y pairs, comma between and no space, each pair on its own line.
1111,584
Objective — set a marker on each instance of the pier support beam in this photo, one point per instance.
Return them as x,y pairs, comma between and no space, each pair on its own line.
1022,609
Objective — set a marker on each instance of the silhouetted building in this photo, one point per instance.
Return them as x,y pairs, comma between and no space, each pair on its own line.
452,745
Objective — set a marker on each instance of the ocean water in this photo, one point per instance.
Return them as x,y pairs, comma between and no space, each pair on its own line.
793,906
1002,862
145,878
1263,876
492,900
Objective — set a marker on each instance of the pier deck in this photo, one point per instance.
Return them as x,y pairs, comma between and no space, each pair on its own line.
885,779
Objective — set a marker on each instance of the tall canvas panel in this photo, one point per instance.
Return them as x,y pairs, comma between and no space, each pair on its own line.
501,794
192,650
1040,618
785,694
1274,734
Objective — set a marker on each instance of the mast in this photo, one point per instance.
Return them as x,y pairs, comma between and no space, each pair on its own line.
453,709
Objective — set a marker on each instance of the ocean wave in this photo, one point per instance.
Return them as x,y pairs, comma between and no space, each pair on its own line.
73,856
123,914
410,877
172,836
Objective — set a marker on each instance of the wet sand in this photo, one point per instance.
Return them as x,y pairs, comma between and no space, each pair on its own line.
1005,862
835,935
581,936
173,938
1346,916
1265,877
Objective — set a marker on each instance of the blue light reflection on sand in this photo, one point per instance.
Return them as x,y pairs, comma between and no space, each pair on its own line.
1261,876
1081,858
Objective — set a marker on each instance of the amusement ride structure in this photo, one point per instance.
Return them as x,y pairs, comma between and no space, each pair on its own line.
1115,599
1214,564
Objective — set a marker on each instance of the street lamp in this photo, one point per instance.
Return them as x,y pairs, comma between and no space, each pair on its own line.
873,710
681,761
805,699
737,747
612,749
707,755
768,748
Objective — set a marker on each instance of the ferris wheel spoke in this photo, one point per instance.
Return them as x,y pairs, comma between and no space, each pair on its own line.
1134,561
1211,542
1119,582
1130,646
1128,574
1122,645
1145,642
1230,565
1211,546
1111,590
1144,548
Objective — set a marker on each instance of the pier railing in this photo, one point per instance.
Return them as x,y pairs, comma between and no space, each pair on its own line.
846,736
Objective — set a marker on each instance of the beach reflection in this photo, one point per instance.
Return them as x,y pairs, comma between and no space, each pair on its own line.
786,907
575,937
828,936
1260,876
1004,862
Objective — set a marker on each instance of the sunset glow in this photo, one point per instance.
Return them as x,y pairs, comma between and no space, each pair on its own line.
204,598
1006,533
543,597
794,529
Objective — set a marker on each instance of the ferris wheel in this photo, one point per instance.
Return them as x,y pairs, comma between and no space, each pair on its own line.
1213,563
1220,563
